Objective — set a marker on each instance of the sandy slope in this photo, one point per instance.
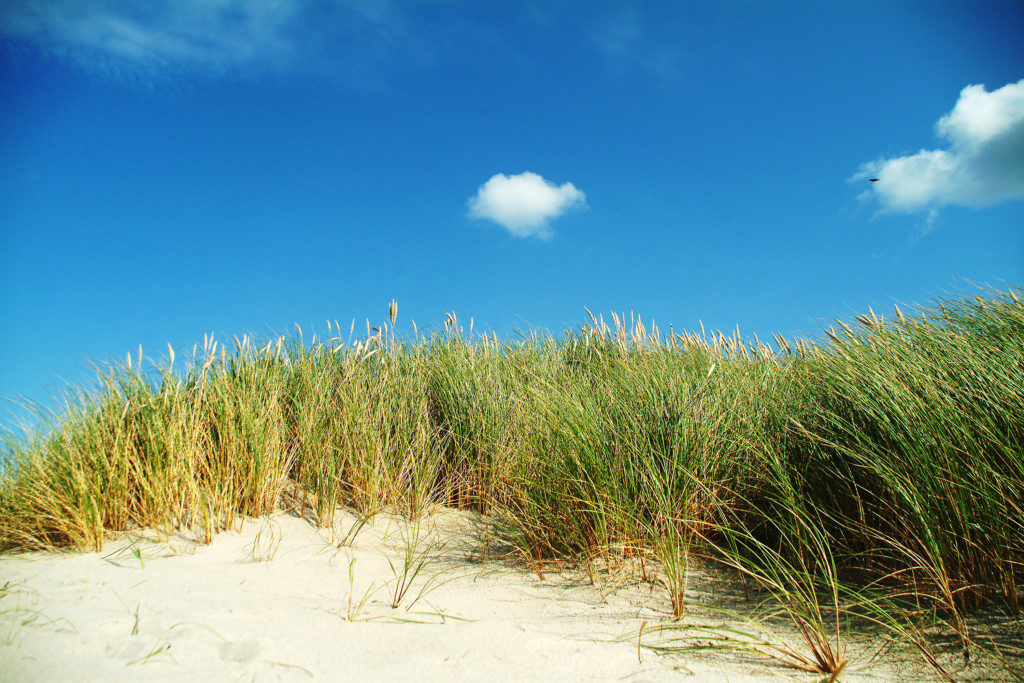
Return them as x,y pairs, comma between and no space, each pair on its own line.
272,602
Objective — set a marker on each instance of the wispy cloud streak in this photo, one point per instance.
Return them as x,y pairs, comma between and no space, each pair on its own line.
157,37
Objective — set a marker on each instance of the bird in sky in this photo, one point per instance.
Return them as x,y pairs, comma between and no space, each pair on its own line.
873,180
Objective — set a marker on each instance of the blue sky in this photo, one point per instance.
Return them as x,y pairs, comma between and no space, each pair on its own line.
169,169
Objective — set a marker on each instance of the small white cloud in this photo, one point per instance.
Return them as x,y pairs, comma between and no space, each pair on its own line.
983,164
523,204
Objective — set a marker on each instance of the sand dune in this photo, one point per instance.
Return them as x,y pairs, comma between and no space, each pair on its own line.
278,599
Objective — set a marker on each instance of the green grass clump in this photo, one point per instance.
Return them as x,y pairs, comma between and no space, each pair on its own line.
883,462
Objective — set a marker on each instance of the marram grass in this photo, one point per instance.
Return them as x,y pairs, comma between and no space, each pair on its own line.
889,454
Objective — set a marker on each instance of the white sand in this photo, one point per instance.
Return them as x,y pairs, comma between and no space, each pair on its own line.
220,612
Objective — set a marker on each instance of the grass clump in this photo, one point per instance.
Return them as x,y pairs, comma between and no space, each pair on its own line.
873,476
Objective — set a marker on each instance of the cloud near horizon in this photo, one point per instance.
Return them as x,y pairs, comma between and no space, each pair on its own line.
524,204
983,164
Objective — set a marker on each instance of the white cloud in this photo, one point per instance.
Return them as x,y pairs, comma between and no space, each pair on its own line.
983,164
523,204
